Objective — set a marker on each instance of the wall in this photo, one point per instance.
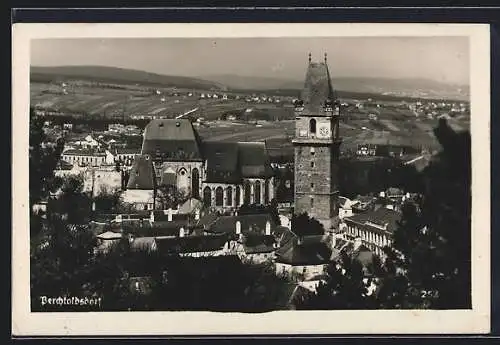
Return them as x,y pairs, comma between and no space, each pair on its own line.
228,204
316,182
306,271
177,167
138,198
108,180
374,240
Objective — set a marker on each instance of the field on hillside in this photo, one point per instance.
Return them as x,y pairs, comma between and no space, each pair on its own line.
396,126
106,102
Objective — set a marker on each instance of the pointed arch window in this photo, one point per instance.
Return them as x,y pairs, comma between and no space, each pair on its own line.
219,197
312,126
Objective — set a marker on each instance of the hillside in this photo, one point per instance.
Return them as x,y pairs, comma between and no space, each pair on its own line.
119,75
396,87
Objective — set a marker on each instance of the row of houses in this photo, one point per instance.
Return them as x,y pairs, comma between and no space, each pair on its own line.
97,157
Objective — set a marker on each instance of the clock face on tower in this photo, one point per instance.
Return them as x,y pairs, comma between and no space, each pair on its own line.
324,131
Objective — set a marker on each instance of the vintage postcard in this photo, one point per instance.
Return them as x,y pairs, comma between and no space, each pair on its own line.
250,179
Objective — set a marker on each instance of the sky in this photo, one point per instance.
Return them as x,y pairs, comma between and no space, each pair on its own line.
444,59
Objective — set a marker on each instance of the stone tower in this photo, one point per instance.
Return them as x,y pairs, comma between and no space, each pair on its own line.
317,146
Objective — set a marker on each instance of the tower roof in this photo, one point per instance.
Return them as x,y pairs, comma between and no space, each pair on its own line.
317,88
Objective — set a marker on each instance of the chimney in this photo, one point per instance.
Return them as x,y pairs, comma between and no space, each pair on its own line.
197,214
268,228
169,214
181,232
357,243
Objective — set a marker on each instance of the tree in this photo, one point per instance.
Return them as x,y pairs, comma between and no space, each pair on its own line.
345,288
60,260
43,159
169,197
107,201
429,265
303,225
72,203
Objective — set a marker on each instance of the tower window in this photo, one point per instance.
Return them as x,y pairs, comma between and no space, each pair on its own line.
312,126
312,185
312,151
312,164
312,202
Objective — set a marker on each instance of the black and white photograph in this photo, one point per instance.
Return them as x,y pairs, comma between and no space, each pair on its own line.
268,175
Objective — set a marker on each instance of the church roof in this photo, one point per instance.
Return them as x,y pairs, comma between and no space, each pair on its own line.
230,162
317,88
222,162
172,139
254,160
142,174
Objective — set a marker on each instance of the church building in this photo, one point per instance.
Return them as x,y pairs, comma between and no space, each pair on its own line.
224,175
317,147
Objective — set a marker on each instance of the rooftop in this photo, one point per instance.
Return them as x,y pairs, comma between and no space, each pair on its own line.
381,218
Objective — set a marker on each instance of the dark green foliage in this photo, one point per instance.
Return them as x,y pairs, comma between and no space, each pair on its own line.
429,265
344,288
169,197
303,225
43,158
107,202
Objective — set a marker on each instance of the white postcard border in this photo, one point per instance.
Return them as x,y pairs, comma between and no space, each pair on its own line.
25,323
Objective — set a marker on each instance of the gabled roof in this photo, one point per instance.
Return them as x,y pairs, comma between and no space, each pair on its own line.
256,243
171,139
127,150
317,88
83,152
222,162
142,174
191,244
250,224
382,217
299,253
254,160
109,235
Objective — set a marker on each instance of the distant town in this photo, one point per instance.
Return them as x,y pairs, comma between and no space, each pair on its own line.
288,182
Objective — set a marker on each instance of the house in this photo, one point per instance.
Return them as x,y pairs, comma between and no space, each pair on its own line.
257,249
302,258
249,224
102,179
84,157
375,229
106,240
194,246
126,155
345,207
141,186
363,203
